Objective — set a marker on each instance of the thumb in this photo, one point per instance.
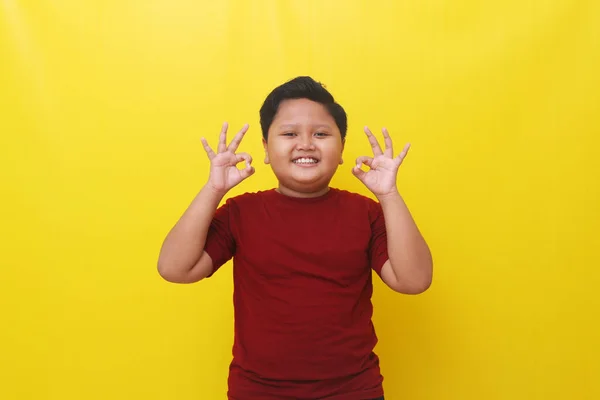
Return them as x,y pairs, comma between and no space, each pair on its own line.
357,171
249,169
246,172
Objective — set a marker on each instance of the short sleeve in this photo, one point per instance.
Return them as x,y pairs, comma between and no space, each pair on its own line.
378,253
220,242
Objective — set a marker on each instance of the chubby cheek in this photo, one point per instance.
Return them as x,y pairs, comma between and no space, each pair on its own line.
332,156
279,157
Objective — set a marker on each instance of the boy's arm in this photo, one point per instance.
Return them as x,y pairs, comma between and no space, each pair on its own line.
409,269
182,257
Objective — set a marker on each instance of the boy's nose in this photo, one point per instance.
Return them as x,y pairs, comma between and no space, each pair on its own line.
306,143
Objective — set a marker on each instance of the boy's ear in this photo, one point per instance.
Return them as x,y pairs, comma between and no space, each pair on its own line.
343,144
267,161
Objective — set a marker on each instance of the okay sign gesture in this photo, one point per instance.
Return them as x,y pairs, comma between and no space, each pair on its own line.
383,166
224,173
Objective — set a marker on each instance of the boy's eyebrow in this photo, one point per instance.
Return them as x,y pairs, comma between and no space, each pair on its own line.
286,126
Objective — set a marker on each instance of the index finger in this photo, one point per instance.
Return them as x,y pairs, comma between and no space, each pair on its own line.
237,139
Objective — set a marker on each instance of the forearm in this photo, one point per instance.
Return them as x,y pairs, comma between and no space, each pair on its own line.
409,254
184,244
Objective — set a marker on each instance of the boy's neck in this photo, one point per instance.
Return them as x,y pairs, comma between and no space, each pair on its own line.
306,195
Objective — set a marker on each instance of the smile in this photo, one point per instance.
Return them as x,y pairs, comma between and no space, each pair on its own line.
305,161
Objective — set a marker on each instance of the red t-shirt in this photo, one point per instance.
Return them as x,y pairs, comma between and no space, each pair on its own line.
302,293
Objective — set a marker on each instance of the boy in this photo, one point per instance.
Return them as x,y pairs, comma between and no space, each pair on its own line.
303,252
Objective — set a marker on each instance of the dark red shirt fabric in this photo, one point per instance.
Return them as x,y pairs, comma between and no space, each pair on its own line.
302,293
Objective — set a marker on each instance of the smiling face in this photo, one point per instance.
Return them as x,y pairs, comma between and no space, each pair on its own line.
304,148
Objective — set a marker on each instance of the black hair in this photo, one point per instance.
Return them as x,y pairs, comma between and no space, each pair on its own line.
302,87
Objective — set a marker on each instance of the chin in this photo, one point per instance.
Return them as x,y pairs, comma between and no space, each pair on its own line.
300,185
303,180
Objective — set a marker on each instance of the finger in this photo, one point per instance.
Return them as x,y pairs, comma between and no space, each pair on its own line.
208,149
359,173
237,139
374,144
366,160
403,154
389,149
240,157
223,139
246,172
249,169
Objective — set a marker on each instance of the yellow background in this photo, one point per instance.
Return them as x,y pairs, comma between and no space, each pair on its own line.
102,106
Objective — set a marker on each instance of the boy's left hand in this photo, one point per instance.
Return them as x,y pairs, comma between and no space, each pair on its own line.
381,178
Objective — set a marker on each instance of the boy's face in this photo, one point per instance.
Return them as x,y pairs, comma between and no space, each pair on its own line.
304,147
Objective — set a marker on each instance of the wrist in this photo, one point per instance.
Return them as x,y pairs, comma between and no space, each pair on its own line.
213,192
392,195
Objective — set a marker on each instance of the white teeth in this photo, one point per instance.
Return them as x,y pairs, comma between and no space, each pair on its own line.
305,160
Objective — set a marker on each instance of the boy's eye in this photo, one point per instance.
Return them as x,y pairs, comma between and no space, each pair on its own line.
318,134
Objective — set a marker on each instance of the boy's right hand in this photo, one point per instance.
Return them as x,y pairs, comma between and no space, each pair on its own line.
224,173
